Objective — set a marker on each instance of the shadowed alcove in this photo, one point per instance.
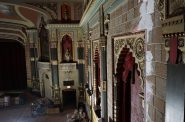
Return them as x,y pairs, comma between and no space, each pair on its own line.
12,65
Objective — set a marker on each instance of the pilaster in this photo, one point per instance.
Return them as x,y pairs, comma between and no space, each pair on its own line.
33,47
54,67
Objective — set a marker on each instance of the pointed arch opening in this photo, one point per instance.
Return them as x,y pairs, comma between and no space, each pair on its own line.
67,49
129,107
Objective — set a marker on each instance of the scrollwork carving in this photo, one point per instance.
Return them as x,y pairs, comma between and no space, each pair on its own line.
139,48
135,44
160,5
161,8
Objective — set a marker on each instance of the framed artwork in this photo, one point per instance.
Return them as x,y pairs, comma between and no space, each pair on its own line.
175,8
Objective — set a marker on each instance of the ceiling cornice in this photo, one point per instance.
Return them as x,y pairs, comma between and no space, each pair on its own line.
114,5
90,11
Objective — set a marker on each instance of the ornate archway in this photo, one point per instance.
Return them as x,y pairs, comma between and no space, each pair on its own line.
128,83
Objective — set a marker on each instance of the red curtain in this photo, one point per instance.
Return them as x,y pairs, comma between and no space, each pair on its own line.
173,50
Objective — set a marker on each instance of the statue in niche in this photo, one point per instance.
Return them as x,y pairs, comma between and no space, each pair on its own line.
66,46
44,42
67,55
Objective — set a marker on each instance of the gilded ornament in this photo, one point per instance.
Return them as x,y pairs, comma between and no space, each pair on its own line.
139,48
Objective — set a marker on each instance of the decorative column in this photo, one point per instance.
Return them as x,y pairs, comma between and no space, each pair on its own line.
81,62
103,65
32,35
54,67
103,78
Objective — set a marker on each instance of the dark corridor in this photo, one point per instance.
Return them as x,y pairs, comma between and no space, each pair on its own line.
12,65
69,98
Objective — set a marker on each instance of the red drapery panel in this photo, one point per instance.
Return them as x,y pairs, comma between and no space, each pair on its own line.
173,50
128,65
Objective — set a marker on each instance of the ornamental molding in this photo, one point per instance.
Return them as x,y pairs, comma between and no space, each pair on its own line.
173,25
67,66
44,65
161,7
51,26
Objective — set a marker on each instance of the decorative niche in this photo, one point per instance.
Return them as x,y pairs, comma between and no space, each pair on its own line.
67,49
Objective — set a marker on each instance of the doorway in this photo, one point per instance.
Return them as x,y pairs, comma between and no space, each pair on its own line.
128,83
69,98
129,107
12,65
124,88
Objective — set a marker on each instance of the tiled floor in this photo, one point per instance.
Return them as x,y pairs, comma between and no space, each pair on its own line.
23,114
